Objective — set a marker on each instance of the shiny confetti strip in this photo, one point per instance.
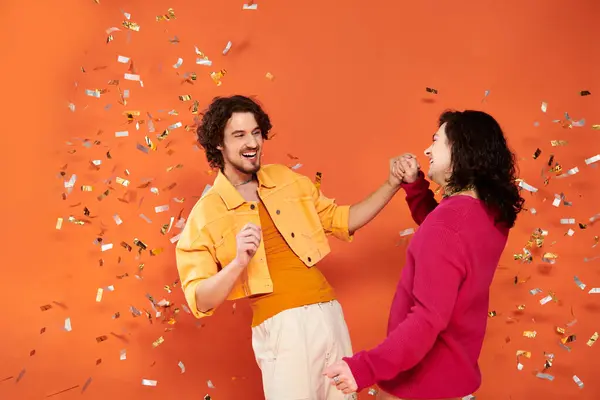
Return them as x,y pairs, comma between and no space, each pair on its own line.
227,48
593,159
544,107
67,326
578,381
149,382
592,339
210,384
408,231
250,7
123,355
99,295
181,366
179,63
545,376
527,187
122,134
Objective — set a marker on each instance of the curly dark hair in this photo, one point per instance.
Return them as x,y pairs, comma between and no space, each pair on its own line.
481,158
211,130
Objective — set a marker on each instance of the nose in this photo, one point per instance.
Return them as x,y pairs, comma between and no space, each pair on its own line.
428,151
252,142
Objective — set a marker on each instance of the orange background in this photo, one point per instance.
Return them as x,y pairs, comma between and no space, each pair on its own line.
348,93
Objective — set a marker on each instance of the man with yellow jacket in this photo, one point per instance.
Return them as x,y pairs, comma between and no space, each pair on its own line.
259,232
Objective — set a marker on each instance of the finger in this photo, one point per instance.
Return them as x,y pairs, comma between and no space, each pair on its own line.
347,391
252,242
414,163
250,226
410,155
249,233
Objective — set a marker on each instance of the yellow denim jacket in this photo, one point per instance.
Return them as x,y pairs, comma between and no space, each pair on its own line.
299,210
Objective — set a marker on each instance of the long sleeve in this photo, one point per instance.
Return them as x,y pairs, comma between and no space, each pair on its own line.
439,272
420,198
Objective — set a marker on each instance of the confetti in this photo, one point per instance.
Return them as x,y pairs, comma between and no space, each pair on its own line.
181,366
216,76
431,90
407,232
131,25
585,93
318,177
544,107
592,160
537,153
106,247
123,59
579,283
86,384
123,355
544,376
592,339
20,376
122,134
149,382
227,48
594,290
210,384
99,295
67,326
167,17
46,307
269,76
373,392
556,143
101,339
527,186
59,222
530,334
179,63
250,7
158,342
163,208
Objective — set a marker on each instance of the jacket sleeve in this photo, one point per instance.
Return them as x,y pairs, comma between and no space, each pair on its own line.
196,261
334,218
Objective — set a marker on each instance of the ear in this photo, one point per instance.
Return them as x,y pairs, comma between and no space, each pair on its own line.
220,148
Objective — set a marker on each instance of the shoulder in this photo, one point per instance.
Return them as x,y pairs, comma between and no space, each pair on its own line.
457,213
282,174
208,208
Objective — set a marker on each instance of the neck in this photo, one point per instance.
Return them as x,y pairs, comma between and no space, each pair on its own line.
235,176
467,191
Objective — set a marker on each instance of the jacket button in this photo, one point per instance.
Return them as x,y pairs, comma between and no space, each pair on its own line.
293,234
252,206
309,259
277,212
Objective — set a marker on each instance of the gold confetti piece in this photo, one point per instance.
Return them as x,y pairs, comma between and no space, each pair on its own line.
150,144
568,339
149,382
592,339
123,354
318,177
216,76
529,334
585,93
373,392
167,17
59,222
98,361
207,397
155,252
46,307
555,143
99,295
537,153
131,26
158,342
185,97
101,339
140,244
596,127
250,6
544,106
492,314
32,353
269,76
42,330
87,188
431,90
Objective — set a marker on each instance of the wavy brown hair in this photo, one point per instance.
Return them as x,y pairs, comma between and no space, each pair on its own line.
211,130
481,158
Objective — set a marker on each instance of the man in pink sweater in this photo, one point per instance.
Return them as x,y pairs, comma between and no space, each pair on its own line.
438,316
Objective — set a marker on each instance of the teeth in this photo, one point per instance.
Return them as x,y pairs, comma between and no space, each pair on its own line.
249,155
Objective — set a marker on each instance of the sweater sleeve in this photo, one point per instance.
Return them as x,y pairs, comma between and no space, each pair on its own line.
439,272
420,198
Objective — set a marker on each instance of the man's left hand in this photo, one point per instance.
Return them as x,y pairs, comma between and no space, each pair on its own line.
341,377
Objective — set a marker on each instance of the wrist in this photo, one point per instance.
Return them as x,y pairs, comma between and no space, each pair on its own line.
392,185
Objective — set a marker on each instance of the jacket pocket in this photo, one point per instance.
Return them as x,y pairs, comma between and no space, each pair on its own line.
226,247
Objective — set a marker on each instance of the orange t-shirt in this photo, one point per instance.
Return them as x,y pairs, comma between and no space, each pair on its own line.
294,284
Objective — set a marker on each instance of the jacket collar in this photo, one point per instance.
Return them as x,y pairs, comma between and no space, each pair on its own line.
229,193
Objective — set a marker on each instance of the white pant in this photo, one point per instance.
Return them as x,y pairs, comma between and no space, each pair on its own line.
293,348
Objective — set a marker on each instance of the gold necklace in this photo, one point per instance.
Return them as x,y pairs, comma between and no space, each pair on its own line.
243,183
452,192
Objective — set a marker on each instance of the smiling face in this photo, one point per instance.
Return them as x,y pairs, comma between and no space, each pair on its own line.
440,157
242,144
